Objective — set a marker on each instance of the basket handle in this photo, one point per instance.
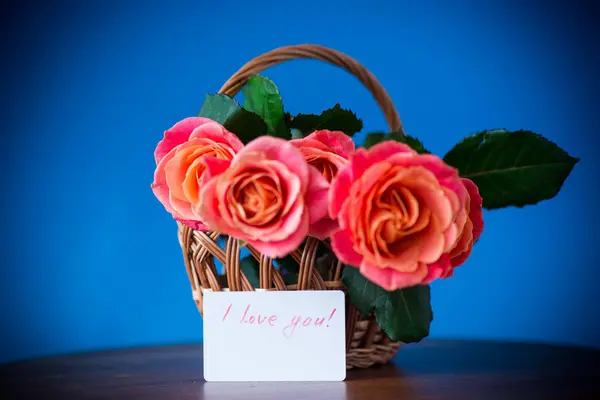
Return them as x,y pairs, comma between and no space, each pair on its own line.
317,52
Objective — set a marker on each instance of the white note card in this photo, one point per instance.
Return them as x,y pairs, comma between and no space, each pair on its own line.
274,336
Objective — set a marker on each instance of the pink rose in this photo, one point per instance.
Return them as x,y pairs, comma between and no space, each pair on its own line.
179,173
328,152
267,196
399,214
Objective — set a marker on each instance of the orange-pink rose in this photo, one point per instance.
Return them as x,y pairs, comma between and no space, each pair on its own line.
267,196
328,152
401,215
179,173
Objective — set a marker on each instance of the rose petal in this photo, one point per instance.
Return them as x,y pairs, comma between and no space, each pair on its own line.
460,259
310,143
177,167
216,132
176,135
317,196
472,228
475,211
291,183
182,208
279,150
210,212
438,269
323,228
277,249
314,155
343,247
159,186
190,184
404,256
390,279
283,229
425,185
339,191
362,159
444,173
338,141
451,236
214,166
359,162
195,225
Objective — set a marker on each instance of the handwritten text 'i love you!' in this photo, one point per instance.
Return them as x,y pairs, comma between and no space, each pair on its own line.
247,315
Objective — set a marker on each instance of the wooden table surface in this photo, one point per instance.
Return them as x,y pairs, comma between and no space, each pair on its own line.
428,370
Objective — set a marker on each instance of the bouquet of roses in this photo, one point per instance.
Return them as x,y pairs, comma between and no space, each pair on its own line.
397,216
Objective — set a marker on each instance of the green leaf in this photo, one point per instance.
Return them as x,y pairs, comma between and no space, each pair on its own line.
218,107
363,293
373,138
262,98
226,111
333,119
512,168
251,268
404,315
246,125
413,142
376,137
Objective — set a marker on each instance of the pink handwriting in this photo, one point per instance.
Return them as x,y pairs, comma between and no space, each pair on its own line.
250,317
227,312
288,331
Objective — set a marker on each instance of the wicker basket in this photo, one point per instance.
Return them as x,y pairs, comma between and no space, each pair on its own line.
366,344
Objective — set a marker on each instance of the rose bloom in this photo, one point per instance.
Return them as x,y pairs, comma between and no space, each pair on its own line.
401,216
179,173
267,196
328,152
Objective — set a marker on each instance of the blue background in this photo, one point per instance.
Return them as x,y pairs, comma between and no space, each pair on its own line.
90,257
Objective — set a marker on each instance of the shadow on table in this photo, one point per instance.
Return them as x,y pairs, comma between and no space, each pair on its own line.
359,380
273,390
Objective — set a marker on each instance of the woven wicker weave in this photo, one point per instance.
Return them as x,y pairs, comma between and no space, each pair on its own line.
366,344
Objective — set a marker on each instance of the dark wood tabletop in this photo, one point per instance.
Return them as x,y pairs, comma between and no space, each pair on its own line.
428,370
